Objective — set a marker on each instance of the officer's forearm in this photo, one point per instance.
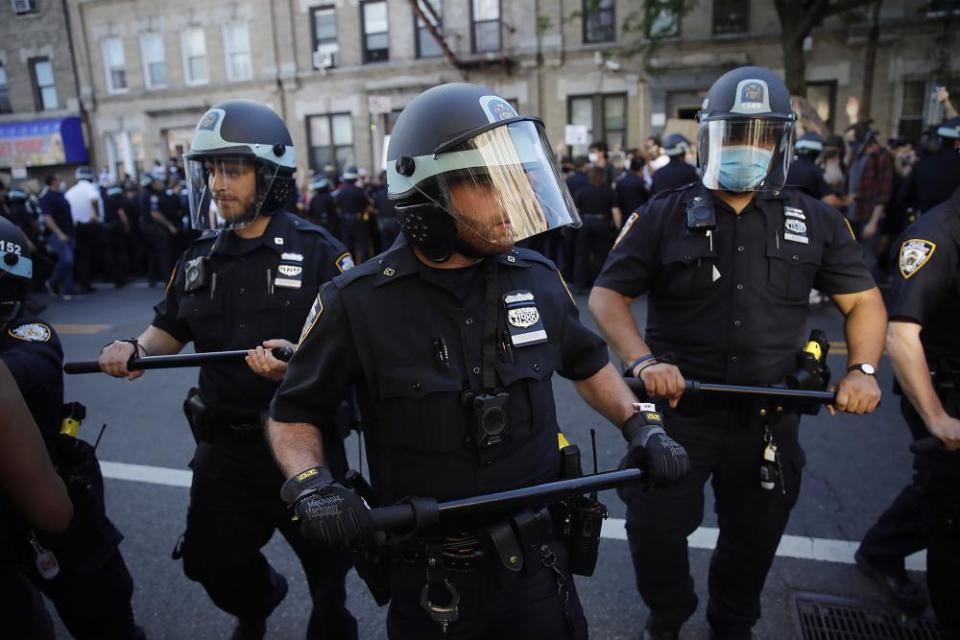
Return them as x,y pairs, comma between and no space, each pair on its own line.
296,446
910,367
158,342
612,312
606,392
865,325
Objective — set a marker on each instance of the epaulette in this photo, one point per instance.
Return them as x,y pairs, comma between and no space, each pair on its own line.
663,194
368,268
302,224
528,255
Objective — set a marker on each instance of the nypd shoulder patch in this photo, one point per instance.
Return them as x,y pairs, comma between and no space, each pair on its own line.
345,262
33,332
914,254
316,310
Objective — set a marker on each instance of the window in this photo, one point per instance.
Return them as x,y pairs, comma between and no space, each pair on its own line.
485,25
21,7
910,125
330,138
325,47
194,46
663,22
115,64
599,24
427,46
45,89
731,16
5,106
604,116
376,35
236,48
822,96
153,53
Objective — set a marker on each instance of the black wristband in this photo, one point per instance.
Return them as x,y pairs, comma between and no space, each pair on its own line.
628,370
305,482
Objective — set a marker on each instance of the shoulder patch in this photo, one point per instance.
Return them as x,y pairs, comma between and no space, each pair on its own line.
914,254
32,332
368,268
626,228
345,262
316,310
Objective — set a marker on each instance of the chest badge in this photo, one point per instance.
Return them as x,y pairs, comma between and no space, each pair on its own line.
289,275
795,226
524,322
33,332
914,254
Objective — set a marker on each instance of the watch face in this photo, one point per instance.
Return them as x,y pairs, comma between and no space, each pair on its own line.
868,369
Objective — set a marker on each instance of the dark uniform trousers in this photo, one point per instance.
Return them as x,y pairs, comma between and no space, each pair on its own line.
593,241
234,511
725,448
356,235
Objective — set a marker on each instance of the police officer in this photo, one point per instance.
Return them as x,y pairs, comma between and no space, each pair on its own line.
597,204
117,224
322,209
925,352
248,285
451,335
677,172
157,229
386,213
936,175
631,190
354,208
804,173
728,263
87,580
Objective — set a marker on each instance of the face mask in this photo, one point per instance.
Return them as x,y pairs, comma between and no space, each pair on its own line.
743,167
593,157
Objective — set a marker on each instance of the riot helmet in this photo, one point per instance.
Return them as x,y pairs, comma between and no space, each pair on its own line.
16,270
745,132
676,145
462,161
809,144
235,142
949,130
83,172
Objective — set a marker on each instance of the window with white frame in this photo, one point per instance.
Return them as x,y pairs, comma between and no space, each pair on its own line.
330,138
115,65
153,53
44,86
325,45
236,47
194,45
376,31
485,25
427,46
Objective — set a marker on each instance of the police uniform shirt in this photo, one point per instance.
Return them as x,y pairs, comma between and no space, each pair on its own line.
257,289
595,201
927,283
806,175
351,199
673,175
732,305
631,192
31,350
411,338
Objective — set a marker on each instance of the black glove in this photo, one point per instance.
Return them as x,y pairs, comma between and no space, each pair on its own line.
651,449
328,511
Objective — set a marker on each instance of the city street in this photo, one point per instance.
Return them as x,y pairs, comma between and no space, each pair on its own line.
855,465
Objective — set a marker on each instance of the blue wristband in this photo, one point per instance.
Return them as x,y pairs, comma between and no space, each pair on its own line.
628,370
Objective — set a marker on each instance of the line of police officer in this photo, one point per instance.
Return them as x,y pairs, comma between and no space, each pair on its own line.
450,339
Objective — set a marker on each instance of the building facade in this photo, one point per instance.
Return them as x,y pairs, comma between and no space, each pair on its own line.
42,125
339,71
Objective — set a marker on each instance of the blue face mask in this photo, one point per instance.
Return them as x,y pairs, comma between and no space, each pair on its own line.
743,167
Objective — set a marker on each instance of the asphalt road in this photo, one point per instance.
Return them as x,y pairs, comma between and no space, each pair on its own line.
855,465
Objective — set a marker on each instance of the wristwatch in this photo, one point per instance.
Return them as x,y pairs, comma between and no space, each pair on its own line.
864,367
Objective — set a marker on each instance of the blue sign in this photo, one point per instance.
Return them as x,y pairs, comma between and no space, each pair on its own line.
42,143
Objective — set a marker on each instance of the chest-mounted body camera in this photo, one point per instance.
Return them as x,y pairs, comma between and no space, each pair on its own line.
700,215
196,274
488,417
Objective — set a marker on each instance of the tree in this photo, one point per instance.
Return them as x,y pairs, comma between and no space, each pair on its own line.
797,19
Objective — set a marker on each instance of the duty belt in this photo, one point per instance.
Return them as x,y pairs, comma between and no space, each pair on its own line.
461,554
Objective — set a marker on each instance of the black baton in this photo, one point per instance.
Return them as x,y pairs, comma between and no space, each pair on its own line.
176,360
694,387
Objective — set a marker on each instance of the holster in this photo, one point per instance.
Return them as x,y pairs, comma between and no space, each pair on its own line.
373,567
194,409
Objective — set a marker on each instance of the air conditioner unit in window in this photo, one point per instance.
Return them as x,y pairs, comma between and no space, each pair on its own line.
24,6
324,59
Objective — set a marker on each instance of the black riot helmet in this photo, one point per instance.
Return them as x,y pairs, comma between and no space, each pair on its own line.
461,155
231,137
16,270
745,133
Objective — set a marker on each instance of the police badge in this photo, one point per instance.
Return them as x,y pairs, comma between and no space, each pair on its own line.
914,254
523,319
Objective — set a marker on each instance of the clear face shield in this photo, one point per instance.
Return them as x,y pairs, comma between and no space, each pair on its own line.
226,192
745,155
504,184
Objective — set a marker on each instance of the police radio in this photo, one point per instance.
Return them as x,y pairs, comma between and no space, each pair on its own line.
579,518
